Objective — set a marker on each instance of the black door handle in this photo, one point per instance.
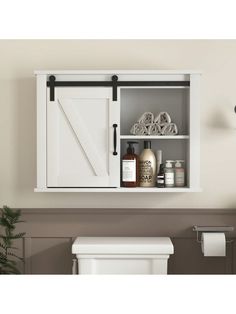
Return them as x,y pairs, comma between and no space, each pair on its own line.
115,138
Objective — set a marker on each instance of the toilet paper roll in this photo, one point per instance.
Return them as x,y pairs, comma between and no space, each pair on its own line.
213,244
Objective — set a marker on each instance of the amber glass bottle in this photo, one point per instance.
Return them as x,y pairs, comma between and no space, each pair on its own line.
130,167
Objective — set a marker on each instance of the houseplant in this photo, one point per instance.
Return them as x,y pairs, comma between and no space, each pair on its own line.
8,220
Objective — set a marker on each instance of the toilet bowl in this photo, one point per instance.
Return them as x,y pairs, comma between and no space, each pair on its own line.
122,255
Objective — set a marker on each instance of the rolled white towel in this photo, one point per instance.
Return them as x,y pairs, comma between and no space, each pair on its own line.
154,129
146,118
169,129
163,117
139,129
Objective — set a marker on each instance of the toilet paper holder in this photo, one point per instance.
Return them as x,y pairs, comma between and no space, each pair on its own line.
199,229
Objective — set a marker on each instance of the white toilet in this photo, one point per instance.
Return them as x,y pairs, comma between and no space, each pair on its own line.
122,255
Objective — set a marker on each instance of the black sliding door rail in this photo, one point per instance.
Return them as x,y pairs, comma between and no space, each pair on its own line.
114,83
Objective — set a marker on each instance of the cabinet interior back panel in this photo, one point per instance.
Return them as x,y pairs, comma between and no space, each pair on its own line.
136,101
171,149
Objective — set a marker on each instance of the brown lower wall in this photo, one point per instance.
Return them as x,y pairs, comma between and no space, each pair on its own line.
50,233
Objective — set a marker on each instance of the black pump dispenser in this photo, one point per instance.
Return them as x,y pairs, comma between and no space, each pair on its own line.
147,145
130,149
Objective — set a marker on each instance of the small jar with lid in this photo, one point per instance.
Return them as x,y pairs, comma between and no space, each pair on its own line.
169,174
179,173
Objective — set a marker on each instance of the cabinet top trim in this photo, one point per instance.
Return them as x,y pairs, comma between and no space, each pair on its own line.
75,72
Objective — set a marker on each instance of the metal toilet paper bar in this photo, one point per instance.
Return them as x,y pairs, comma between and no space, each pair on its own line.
199,229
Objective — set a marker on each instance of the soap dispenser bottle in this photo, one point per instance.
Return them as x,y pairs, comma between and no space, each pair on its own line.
169,174
148,166
130,167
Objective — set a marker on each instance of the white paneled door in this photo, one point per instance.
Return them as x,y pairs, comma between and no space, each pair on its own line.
81,138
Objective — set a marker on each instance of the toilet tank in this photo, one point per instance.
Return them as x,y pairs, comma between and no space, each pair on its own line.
122,255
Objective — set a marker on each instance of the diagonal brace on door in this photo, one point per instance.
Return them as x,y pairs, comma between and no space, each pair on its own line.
83,137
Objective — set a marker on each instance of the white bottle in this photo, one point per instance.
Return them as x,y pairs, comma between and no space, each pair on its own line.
179,173
169,175
147,162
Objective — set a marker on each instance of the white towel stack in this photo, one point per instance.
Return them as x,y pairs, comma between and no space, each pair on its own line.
148,125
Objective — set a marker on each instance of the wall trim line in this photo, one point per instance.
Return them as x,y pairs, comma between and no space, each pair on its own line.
129,211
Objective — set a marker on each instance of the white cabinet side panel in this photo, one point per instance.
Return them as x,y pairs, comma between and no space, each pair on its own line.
194,149
41,131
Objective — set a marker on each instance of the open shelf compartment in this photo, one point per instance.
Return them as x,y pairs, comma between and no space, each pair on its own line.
135,101
175,101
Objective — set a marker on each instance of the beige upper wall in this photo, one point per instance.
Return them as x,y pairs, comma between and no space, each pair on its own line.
217,61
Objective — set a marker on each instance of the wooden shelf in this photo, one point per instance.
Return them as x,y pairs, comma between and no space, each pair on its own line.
154,137
120,190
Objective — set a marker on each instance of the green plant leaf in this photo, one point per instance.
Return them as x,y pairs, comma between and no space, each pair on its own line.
10,268
11,213
2,246
8,220
5,223
14,255
18,235
7,241
3,257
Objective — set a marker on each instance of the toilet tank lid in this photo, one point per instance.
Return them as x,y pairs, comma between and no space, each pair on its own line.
122,245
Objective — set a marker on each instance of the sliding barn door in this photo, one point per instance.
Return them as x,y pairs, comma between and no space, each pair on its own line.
80,138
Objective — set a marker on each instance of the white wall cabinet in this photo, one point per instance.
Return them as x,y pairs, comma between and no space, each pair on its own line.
84,120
